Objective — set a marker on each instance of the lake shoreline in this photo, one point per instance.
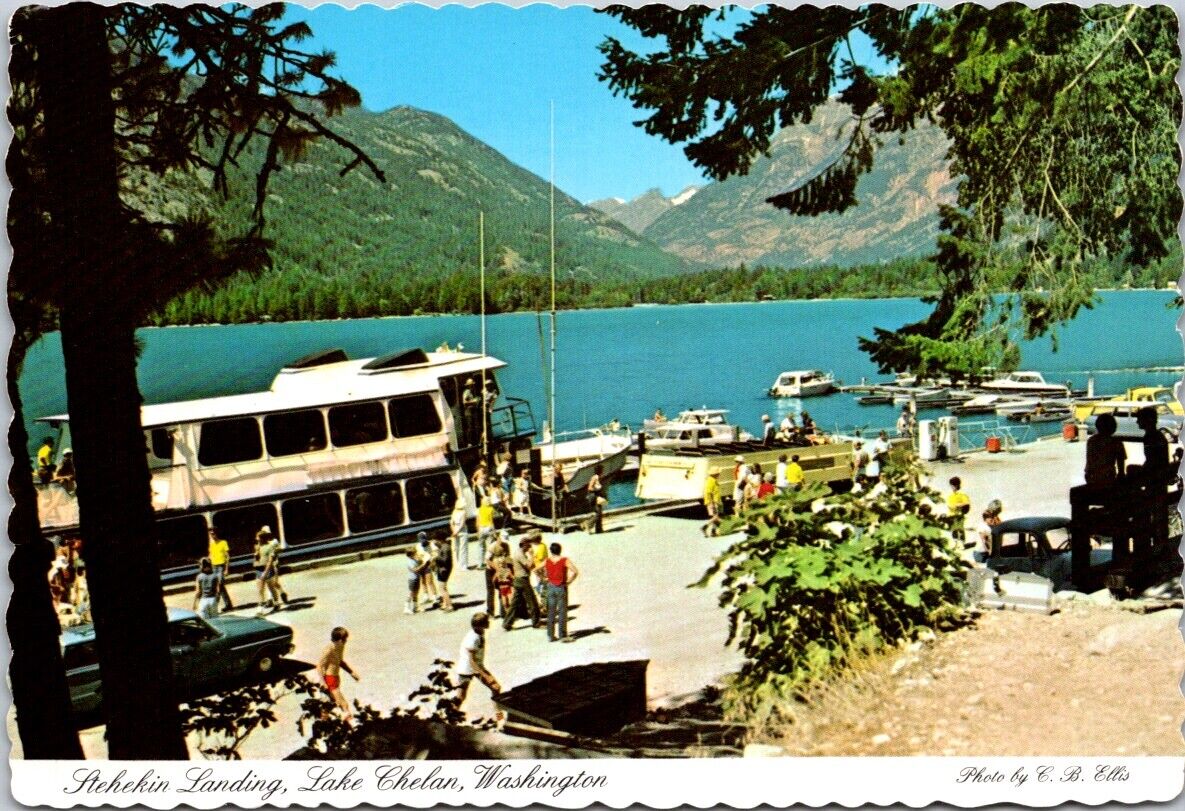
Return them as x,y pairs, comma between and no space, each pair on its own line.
636,306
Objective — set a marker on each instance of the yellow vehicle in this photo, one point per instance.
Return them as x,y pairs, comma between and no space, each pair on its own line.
681,474
1162,397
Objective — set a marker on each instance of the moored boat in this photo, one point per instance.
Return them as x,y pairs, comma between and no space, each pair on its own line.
1031,383
802,383
337,453
681,474
692,429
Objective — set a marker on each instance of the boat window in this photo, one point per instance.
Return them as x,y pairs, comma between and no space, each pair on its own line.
375,507
294,432
238,526
181,541
225,442
357,424
312,518
162,444
451,386
430,496
414,416
81,655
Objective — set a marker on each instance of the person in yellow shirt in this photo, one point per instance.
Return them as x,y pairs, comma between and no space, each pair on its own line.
485,529
219,554
958,504
712,504
45,465
540,552
794,474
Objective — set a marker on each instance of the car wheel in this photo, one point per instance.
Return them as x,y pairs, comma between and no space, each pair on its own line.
265,662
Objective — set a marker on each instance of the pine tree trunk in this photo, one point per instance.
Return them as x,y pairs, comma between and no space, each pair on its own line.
43,714
98,343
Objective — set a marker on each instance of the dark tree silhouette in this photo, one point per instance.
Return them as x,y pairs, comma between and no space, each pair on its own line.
1062,123
101,95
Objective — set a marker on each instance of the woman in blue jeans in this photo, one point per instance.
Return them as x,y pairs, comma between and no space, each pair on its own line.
558,574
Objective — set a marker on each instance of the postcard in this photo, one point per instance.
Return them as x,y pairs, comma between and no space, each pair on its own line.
560,405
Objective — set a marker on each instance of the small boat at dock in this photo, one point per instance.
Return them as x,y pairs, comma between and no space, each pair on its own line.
802,383
692,429
1031,383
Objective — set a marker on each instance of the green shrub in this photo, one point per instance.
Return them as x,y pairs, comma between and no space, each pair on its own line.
816,577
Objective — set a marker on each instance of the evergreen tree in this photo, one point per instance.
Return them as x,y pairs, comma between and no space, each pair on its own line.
103,95
1062,122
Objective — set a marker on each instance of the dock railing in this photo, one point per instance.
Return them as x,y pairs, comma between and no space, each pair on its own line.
973,435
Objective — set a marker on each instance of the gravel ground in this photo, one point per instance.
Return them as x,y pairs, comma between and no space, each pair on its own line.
1089,680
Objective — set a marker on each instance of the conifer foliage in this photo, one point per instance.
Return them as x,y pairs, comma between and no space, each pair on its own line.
1062,122
102,96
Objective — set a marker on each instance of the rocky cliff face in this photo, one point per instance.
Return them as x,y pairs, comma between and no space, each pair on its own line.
897,216
639,213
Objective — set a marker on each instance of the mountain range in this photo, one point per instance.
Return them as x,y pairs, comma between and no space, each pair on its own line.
349,246
729,222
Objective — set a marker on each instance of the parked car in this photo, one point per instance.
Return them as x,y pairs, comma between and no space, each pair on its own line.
205,652
1169,423
1039,545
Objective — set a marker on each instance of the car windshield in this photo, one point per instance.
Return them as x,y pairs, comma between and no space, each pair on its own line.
1058,537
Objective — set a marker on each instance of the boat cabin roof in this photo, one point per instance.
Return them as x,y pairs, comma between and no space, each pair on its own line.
1025,377
800,373
300,385
701,415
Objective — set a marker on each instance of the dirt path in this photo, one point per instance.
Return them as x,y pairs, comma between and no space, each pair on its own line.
1090,680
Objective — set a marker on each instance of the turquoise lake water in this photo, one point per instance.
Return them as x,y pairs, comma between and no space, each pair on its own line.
624,363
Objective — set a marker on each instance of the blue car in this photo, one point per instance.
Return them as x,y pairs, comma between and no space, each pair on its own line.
1038,545
205,652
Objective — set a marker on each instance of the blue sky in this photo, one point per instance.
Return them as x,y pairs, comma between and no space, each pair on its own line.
495,71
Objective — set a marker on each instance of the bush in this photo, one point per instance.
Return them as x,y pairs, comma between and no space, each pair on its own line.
437,699
817,577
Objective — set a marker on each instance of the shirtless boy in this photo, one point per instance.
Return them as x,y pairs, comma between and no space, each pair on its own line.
330,666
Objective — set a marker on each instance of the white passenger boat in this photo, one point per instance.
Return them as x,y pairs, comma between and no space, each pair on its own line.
1032,383
802,383
336,453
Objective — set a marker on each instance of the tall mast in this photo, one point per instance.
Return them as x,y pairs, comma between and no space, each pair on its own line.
551,399
481,252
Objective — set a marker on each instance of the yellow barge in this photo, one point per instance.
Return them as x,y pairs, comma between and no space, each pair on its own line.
681,474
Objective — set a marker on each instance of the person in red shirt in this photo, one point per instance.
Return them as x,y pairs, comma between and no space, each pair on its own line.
558,574
766,488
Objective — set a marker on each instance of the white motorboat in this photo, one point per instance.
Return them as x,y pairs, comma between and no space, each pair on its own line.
983,404
692,429
1031,383
580,452
802,383
931,398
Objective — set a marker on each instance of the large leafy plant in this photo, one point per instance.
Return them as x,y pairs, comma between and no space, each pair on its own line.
816,577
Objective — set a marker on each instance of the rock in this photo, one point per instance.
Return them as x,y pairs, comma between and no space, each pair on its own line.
881,739
926,635
763,750
900,665
1068,596
1101,597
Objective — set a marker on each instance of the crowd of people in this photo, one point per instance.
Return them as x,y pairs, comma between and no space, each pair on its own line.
209,586
67,581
